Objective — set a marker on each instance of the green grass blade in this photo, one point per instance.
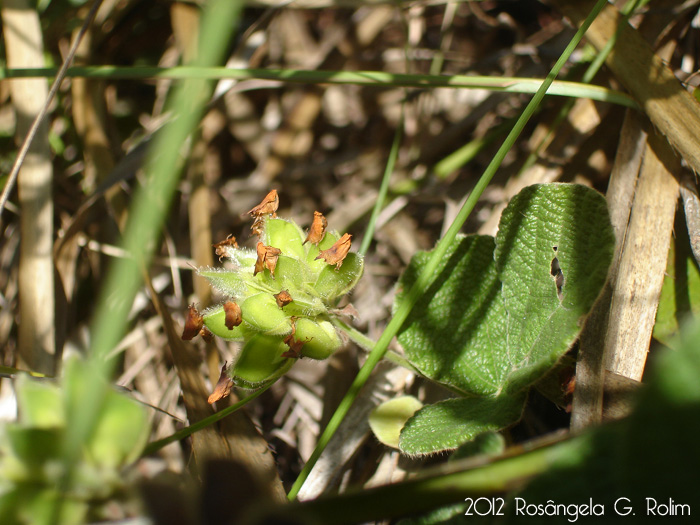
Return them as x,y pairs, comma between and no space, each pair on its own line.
384,187
148,211
359,78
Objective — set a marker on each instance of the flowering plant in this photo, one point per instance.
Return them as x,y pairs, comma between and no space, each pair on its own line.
280,298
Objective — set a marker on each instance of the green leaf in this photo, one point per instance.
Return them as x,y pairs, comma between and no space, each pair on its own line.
452,335
492,322
448,424
387,420
540,325
40,404
680,294
121,432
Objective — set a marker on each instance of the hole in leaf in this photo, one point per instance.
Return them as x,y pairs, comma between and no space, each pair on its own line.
557,273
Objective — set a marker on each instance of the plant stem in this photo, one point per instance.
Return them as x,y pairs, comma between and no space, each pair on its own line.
199,425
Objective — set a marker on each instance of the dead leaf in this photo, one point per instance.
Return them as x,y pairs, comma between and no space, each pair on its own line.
267,258
220,247
283,298
347,311
193,323
222,388
268,205
233,314
317,230
336,253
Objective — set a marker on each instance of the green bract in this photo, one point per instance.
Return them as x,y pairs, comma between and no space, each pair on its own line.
270,326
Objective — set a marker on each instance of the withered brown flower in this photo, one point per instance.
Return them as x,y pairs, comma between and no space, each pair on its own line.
193,323
222,388
317,230
233,314
206,334
268,205
283,298
221,246
267,258
336,253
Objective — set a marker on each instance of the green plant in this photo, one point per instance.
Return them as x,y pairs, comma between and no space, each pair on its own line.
32,474
281,297
502,311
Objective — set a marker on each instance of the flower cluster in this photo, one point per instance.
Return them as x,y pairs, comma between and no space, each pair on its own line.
280,296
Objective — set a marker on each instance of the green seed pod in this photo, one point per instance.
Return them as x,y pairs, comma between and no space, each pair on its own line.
260,361
317,266
332,282
320,338
291,273
215,320
286,236
261,312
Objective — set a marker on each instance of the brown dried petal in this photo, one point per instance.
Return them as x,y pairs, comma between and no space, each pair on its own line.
271,259
290,338
193,323
268,205
258,226
267,258
206,334
233,315
336,253
283,298
229,241
294,351
317,230
222,388
260,263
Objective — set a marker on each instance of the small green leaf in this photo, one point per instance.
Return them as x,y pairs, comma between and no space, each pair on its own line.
40,404
541,326
121,432
452,334
387,420
448,424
